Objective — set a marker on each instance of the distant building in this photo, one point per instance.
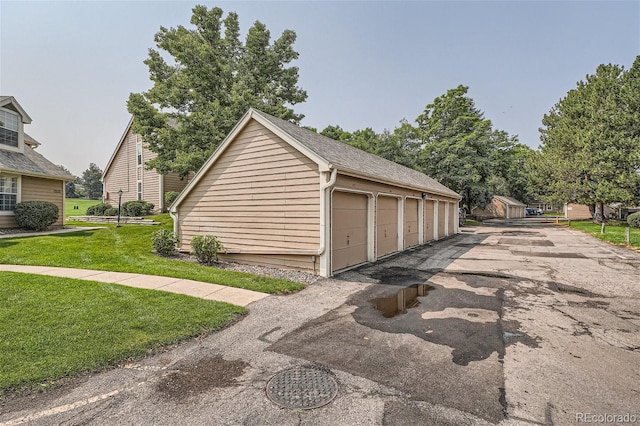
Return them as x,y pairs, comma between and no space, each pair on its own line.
126,171
25,175
501,207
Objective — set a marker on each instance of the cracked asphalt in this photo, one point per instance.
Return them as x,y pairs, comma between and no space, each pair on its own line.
520,323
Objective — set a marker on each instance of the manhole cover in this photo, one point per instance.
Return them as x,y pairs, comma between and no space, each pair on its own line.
304,388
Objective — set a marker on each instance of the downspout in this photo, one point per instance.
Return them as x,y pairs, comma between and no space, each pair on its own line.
323,210
174,216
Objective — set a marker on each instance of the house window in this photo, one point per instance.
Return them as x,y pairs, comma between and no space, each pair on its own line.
549,208
8,193
139,190
8,128
139,153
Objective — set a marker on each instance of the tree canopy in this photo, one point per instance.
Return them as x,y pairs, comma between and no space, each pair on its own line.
590,152
461,150
204,80
91,182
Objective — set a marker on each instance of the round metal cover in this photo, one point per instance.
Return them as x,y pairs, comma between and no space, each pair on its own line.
304,388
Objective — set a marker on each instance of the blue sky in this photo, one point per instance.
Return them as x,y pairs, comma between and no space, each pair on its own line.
72,65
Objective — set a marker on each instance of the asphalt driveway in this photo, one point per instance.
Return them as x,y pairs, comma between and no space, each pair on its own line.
511,324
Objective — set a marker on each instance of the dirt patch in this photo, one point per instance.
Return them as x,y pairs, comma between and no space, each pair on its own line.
206,374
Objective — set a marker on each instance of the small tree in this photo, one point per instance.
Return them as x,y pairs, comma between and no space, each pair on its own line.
91,182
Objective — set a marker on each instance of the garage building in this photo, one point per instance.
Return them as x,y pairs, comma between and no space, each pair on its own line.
280,195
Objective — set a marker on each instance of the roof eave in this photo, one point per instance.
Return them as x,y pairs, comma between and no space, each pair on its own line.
354,173
38,175
26,119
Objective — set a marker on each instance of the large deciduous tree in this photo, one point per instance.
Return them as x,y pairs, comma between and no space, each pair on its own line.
458,146
590,152
205,80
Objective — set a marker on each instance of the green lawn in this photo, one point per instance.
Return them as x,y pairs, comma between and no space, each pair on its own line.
614,232
54,327
82,204
126,249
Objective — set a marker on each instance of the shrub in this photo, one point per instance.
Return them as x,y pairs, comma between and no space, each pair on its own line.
36,215
170,197
165,242
98,209
111,212
137,208
206,248
634,220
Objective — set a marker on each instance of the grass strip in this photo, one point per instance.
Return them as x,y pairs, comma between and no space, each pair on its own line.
127,249
53,327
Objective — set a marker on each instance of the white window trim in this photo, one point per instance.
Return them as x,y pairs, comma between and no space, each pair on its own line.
18,195
139,191
20,147
139,153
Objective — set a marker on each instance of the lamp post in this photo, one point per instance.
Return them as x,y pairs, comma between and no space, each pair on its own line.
119,204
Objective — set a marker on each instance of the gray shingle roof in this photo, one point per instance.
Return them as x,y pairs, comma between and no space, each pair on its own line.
347,158
509,200
31,162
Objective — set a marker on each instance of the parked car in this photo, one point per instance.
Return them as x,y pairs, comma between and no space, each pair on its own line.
539,212
530,211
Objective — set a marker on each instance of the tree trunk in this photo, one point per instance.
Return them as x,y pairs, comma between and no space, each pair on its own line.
598,216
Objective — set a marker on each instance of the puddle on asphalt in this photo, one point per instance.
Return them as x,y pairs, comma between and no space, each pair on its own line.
404,299
548,254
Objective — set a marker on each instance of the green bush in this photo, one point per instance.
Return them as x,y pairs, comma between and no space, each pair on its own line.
98,209
634,220
137,208
206,248
170,197
111,212
36,215
165,242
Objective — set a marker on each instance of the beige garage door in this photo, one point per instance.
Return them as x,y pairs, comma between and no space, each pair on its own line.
411,222
451,217
386,225
442,219
348,230
428,220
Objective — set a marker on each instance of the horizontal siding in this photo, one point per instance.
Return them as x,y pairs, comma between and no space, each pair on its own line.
122,173
7,221
172,182
298,262
40,189
261,194
150,180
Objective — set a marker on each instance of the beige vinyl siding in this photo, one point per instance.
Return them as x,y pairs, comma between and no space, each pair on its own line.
577,211
122,173
261,195
7,221
150,180
172,182
283,261
493,209
42,189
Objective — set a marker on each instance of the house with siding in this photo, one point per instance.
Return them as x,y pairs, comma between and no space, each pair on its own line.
280,195
501,207
126,171
25,175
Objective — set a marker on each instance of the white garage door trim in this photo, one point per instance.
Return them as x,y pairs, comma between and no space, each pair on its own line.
370,230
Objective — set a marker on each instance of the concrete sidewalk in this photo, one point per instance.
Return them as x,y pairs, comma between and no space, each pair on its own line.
220,293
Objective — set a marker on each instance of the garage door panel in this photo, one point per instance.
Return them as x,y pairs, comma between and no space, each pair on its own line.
428,220
411,229
349,233
451,218
441,219
387,225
